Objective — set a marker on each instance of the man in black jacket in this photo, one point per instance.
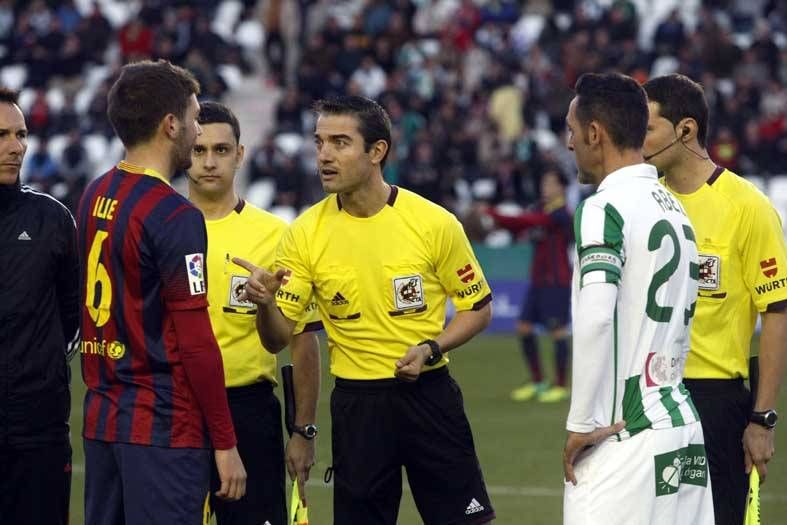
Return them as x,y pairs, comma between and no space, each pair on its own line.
39,314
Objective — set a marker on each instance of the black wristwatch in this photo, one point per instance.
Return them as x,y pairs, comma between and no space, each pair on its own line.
307,431
436,356
766,418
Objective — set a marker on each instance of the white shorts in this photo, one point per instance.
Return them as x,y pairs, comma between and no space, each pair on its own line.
657,477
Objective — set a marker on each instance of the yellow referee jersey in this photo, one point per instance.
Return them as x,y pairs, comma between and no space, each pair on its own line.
380,283
252,234
743,271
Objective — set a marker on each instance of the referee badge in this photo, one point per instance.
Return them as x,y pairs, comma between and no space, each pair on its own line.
237,284
408,292
710,272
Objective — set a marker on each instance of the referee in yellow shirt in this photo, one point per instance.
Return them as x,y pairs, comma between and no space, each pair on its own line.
236,228
381,263
743,273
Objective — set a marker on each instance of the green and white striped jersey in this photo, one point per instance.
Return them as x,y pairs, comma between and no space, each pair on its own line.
633,233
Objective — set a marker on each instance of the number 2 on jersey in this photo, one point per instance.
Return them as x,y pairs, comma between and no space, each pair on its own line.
98,283
663,314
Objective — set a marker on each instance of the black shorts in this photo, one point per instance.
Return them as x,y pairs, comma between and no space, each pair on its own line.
548,306
379,427
256,415
35,485
724,406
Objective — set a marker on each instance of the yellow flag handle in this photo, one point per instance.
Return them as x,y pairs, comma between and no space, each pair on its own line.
753,501
299,514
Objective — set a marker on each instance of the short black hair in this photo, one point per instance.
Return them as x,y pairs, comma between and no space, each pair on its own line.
373,121
144,93
9,96
680,97
216,113
618,103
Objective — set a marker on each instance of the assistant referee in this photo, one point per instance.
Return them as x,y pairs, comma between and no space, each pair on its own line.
742,274
237,228
381,262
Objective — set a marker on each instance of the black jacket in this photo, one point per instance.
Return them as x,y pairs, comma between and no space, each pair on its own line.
39,315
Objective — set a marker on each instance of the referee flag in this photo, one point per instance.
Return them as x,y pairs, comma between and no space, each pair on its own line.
299,514
753,502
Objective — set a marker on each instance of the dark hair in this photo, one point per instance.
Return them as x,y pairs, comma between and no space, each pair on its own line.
557,173
373,121
144,93
217,113
680,97
9,96
618,103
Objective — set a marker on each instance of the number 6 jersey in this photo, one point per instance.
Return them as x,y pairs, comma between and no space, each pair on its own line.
634,234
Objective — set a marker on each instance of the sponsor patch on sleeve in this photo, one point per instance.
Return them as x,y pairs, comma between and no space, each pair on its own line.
195,269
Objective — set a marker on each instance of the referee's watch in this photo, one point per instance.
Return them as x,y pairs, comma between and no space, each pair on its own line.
437,354
766,418
307,431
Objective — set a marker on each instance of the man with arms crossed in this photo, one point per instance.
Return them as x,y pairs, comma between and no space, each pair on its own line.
155,402
634,290
39,314
382,262
237,228
742,274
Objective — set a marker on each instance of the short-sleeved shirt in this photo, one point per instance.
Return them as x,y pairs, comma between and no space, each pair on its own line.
143,248
634,234
381,283
743,271
251,234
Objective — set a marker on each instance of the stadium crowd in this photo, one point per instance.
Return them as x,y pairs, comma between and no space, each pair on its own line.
476,90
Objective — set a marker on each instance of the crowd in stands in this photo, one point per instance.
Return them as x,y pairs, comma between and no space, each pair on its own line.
477,89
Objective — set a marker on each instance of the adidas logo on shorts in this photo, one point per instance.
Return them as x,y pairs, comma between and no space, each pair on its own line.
474,507
339,299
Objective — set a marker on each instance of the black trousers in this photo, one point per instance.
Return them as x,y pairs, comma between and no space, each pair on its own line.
256,415
724,406
36,484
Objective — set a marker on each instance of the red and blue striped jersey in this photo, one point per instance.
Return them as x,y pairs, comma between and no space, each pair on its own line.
143,251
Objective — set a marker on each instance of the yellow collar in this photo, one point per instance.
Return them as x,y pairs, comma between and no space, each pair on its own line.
139,170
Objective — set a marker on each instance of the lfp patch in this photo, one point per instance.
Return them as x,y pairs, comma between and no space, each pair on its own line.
195,269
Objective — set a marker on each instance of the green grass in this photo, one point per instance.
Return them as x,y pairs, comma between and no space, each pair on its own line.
519,444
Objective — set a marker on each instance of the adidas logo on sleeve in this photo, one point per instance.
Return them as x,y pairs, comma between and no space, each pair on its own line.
474,507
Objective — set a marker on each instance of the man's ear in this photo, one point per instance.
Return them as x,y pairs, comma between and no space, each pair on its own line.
239,155
170,126
377,151
593,134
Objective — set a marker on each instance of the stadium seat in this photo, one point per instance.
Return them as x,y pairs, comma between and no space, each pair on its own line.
56,145
231,75
499,239
289,143
56,99
250,35
13,76
484,189
96,147
226,18
287,213
260,193
26,97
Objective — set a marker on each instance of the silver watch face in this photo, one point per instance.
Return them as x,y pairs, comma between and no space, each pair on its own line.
310,431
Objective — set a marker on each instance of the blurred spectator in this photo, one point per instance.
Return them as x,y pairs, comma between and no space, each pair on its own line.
136,41
41,168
